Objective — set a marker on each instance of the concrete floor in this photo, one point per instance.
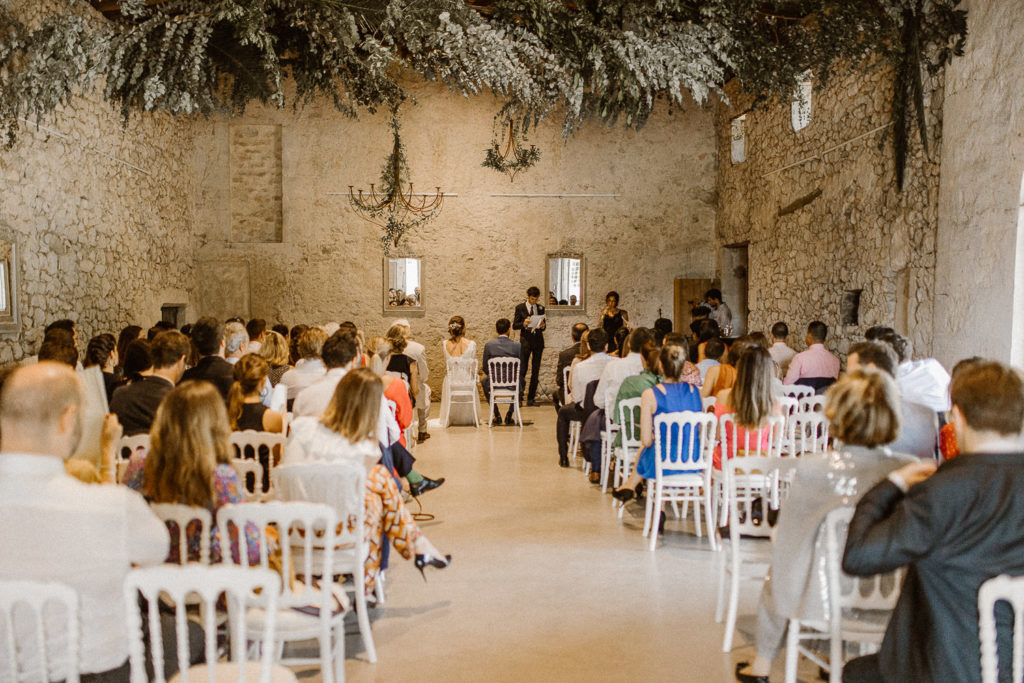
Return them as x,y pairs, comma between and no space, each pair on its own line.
546,583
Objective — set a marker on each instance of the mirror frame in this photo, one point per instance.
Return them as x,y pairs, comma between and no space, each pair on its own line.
582,305
402,311
10,322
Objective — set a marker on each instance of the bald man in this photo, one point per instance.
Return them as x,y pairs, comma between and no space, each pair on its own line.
55,528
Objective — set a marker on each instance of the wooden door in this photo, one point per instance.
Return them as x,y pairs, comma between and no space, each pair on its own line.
687,291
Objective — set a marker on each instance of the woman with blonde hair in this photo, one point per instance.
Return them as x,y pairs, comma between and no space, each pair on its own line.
275,352
245,411
345,433
189,463
864,414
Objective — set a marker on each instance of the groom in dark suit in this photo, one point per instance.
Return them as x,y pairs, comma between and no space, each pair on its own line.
532,342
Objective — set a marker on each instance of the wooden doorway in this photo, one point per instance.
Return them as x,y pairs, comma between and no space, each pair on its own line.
688,291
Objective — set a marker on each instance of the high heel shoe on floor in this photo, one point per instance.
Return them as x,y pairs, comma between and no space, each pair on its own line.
748,678
624,495
423,561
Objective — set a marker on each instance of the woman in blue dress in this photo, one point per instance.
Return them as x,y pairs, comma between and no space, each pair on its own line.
673,395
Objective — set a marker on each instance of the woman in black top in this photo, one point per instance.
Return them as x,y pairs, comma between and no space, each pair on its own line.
244,408
612,318
102,352
399,364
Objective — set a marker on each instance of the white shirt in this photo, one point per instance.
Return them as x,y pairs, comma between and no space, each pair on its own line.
55,528
418,353
704,366
782,355
615,373
314,399
254,346
305,372
925,382
311,441
587,371
721,315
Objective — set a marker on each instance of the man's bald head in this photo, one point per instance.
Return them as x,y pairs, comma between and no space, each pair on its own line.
39,409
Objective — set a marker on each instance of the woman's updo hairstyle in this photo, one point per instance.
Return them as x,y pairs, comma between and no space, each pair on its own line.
652,356
456,327
673,359
396,335
99,349
863,408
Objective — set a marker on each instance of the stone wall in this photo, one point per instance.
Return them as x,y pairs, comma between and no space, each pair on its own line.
101,215
481,252
857,231
979,288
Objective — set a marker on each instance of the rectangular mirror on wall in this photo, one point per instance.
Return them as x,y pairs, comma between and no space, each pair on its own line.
566,281
403,284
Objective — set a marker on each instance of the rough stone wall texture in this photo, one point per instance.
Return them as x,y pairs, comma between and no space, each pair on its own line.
255,183
979,248
100,242
860,233
481,252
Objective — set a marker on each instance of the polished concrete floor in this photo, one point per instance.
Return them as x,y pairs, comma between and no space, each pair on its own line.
546,583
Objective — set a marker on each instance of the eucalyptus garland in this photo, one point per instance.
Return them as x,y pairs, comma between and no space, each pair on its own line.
609,60
516,157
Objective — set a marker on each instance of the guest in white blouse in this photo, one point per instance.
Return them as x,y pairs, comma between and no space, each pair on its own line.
346,433
310,367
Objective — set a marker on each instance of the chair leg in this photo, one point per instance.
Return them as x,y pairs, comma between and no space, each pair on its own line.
490,411
696,512
709,520
835,655
656,511
730,618
339,654
327,657
364,622
720,603
606,458
792,649
647,509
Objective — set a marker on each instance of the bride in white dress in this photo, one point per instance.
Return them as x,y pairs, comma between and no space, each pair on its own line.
459,358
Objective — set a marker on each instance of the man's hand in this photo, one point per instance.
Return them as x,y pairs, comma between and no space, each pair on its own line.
915,472
526,323
111,433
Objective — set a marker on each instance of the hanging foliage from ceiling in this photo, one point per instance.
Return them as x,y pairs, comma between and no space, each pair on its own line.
608,60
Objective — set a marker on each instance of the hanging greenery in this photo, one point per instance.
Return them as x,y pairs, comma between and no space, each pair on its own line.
609,60
516,157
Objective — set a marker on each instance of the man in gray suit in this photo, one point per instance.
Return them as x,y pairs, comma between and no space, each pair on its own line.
499,347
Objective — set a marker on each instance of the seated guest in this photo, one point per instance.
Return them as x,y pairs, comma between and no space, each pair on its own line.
714,351
102,353
583,354
127,335
780,351
417,353
565,357
662,326
619,339
310,367
619,369
244,408
953,529
59,352
722,376
256,329
751,400
815,367
401,365
236,342
275,350
137,361
919,427
672,395
584,379
293,342
924,381
339,354
863,412
346,434
708,330
135,404
189,463
634,387
54,528
499,347
208,336
948,446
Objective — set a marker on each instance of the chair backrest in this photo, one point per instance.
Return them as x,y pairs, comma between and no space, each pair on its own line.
342,486
565,377
177,587
247,443
708,403
629,422
754,441
244,468
318,526
812,432
797,391
1009,589
684,441
751,479
462,373
788,405
879,592
812,404
182,516
42,653
503,372
130,444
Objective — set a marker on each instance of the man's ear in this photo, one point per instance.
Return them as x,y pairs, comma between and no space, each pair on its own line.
960,426
67,420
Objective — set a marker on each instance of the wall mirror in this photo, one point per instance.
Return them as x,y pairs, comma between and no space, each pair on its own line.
403,284
10,320
566,281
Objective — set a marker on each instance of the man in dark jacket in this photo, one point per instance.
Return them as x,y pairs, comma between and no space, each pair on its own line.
208,336
954,528
565,357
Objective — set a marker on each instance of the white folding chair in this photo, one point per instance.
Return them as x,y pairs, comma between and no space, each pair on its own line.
629,445
503,373
310,609
182,516
343,487
811,432
708,404
812,404
749,479
753,443
1009,589
244,468
126,447
566,371
789,407
462,376
176,587
859,607
45,651
797,391
682,441
608,434
247,446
